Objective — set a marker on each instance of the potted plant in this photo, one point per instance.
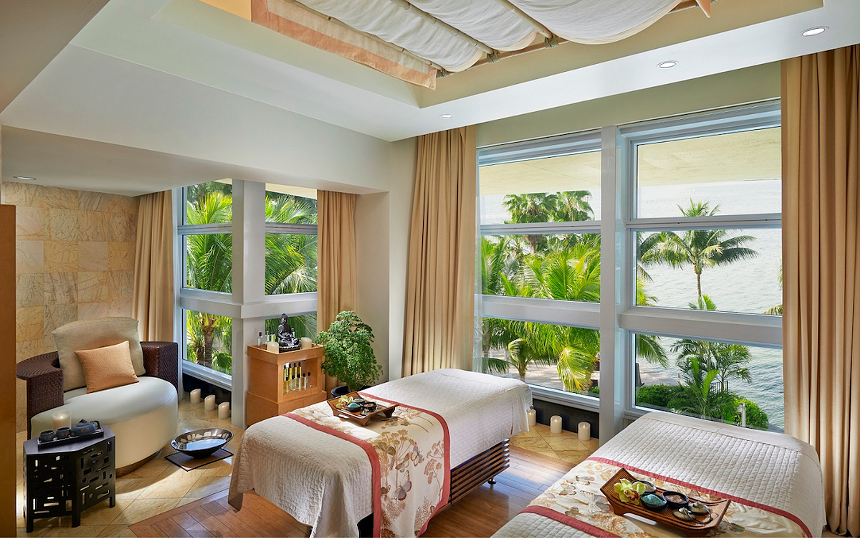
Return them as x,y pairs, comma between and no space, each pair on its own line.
348,354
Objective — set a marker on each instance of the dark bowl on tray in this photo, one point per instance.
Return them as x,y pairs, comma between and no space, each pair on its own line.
653,501
675,499
201,443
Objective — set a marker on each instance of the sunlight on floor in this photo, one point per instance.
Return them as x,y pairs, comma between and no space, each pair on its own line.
152,489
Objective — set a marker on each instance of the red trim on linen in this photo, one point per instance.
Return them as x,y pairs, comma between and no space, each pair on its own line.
569,521
734,498
446,446
374,465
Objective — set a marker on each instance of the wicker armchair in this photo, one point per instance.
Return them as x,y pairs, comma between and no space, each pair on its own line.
45,379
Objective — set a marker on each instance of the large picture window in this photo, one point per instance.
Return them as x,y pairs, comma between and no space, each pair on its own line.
690,321
540,252
286,218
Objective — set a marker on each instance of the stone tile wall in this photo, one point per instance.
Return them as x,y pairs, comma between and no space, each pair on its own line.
75,260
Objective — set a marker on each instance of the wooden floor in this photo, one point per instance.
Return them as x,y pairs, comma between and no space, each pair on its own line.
481,513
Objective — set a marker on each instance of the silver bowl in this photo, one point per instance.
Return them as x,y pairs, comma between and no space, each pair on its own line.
201,443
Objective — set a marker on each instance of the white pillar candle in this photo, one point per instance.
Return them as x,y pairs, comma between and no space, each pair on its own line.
532,417
224,410
272,347
306,342
195,396
584,431
555,424
61,419
209,403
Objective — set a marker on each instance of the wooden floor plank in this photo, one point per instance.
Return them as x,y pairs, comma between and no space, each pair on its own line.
481,513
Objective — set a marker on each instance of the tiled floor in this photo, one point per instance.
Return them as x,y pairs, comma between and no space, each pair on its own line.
565,446
152,489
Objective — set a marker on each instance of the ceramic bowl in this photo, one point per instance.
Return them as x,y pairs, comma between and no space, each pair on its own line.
353,407
675,499
649,487
201,443
653,501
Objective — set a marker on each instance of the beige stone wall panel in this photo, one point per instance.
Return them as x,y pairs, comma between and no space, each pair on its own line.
75,260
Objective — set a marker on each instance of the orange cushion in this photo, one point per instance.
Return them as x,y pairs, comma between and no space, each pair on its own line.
107,367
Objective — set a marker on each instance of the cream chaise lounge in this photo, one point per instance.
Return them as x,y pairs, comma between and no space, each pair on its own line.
142,415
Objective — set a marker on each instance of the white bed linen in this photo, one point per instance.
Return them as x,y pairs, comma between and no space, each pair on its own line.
325,481
765,467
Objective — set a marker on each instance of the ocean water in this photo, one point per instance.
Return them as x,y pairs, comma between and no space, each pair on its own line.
750,286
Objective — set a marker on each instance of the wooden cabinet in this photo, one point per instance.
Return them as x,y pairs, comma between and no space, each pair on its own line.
270,393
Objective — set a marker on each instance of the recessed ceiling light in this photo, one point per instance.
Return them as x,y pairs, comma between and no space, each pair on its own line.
446,116
667,64
25,178
814,31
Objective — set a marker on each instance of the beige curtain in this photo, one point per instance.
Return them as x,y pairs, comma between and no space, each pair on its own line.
153,267
440,276
336,259
821,320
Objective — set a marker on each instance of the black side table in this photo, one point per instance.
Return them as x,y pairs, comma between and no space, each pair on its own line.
68,479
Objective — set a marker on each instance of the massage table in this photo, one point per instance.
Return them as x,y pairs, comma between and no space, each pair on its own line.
773,472
325,481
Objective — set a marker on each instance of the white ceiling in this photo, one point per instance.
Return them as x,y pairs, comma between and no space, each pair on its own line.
184,79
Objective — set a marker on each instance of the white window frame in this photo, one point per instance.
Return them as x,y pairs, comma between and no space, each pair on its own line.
247,305
555,312
617,316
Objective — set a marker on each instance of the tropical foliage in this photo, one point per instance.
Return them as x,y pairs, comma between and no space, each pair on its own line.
291,263
699,249
348,353
567,268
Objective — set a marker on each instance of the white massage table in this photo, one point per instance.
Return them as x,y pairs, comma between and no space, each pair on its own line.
771,469
325,482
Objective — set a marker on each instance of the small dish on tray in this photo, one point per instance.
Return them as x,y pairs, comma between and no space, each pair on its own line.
700,525
362,415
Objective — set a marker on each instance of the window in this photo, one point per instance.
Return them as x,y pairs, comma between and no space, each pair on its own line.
276,232
702,377
688,212
706,244
209,341
539,263
291,241
551,356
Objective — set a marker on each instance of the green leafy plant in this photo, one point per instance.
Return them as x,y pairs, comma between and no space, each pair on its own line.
349,356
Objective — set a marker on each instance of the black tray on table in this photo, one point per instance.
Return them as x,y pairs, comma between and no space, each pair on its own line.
71,439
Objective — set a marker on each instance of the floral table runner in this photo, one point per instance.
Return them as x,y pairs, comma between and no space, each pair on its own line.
576,501
409,455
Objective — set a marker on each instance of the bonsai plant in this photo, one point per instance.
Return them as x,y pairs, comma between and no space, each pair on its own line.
348,355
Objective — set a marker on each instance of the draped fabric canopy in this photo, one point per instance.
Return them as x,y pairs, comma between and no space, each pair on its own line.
821,227
411,39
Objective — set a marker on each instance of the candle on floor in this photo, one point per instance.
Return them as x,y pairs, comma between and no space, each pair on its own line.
209,403
61,419
306,342
532,417
195,396
224,410
584,431
555,424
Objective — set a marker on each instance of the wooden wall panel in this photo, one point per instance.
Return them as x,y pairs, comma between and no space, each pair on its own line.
7,370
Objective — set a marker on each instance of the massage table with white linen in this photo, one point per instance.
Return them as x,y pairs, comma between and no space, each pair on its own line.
325,481
775,479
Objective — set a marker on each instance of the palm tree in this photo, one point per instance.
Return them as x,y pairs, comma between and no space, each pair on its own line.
698,248
699,395
729,360
531,207
572,206
776,310
291,259
209,266
521,354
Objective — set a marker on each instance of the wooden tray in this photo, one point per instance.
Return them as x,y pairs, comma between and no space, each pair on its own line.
362,419
664,516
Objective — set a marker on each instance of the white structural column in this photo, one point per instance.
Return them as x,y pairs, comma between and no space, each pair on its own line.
613,295
249,270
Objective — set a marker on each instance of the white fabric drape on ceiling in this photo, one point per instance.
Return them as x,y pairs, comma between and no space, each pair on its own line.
491,23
